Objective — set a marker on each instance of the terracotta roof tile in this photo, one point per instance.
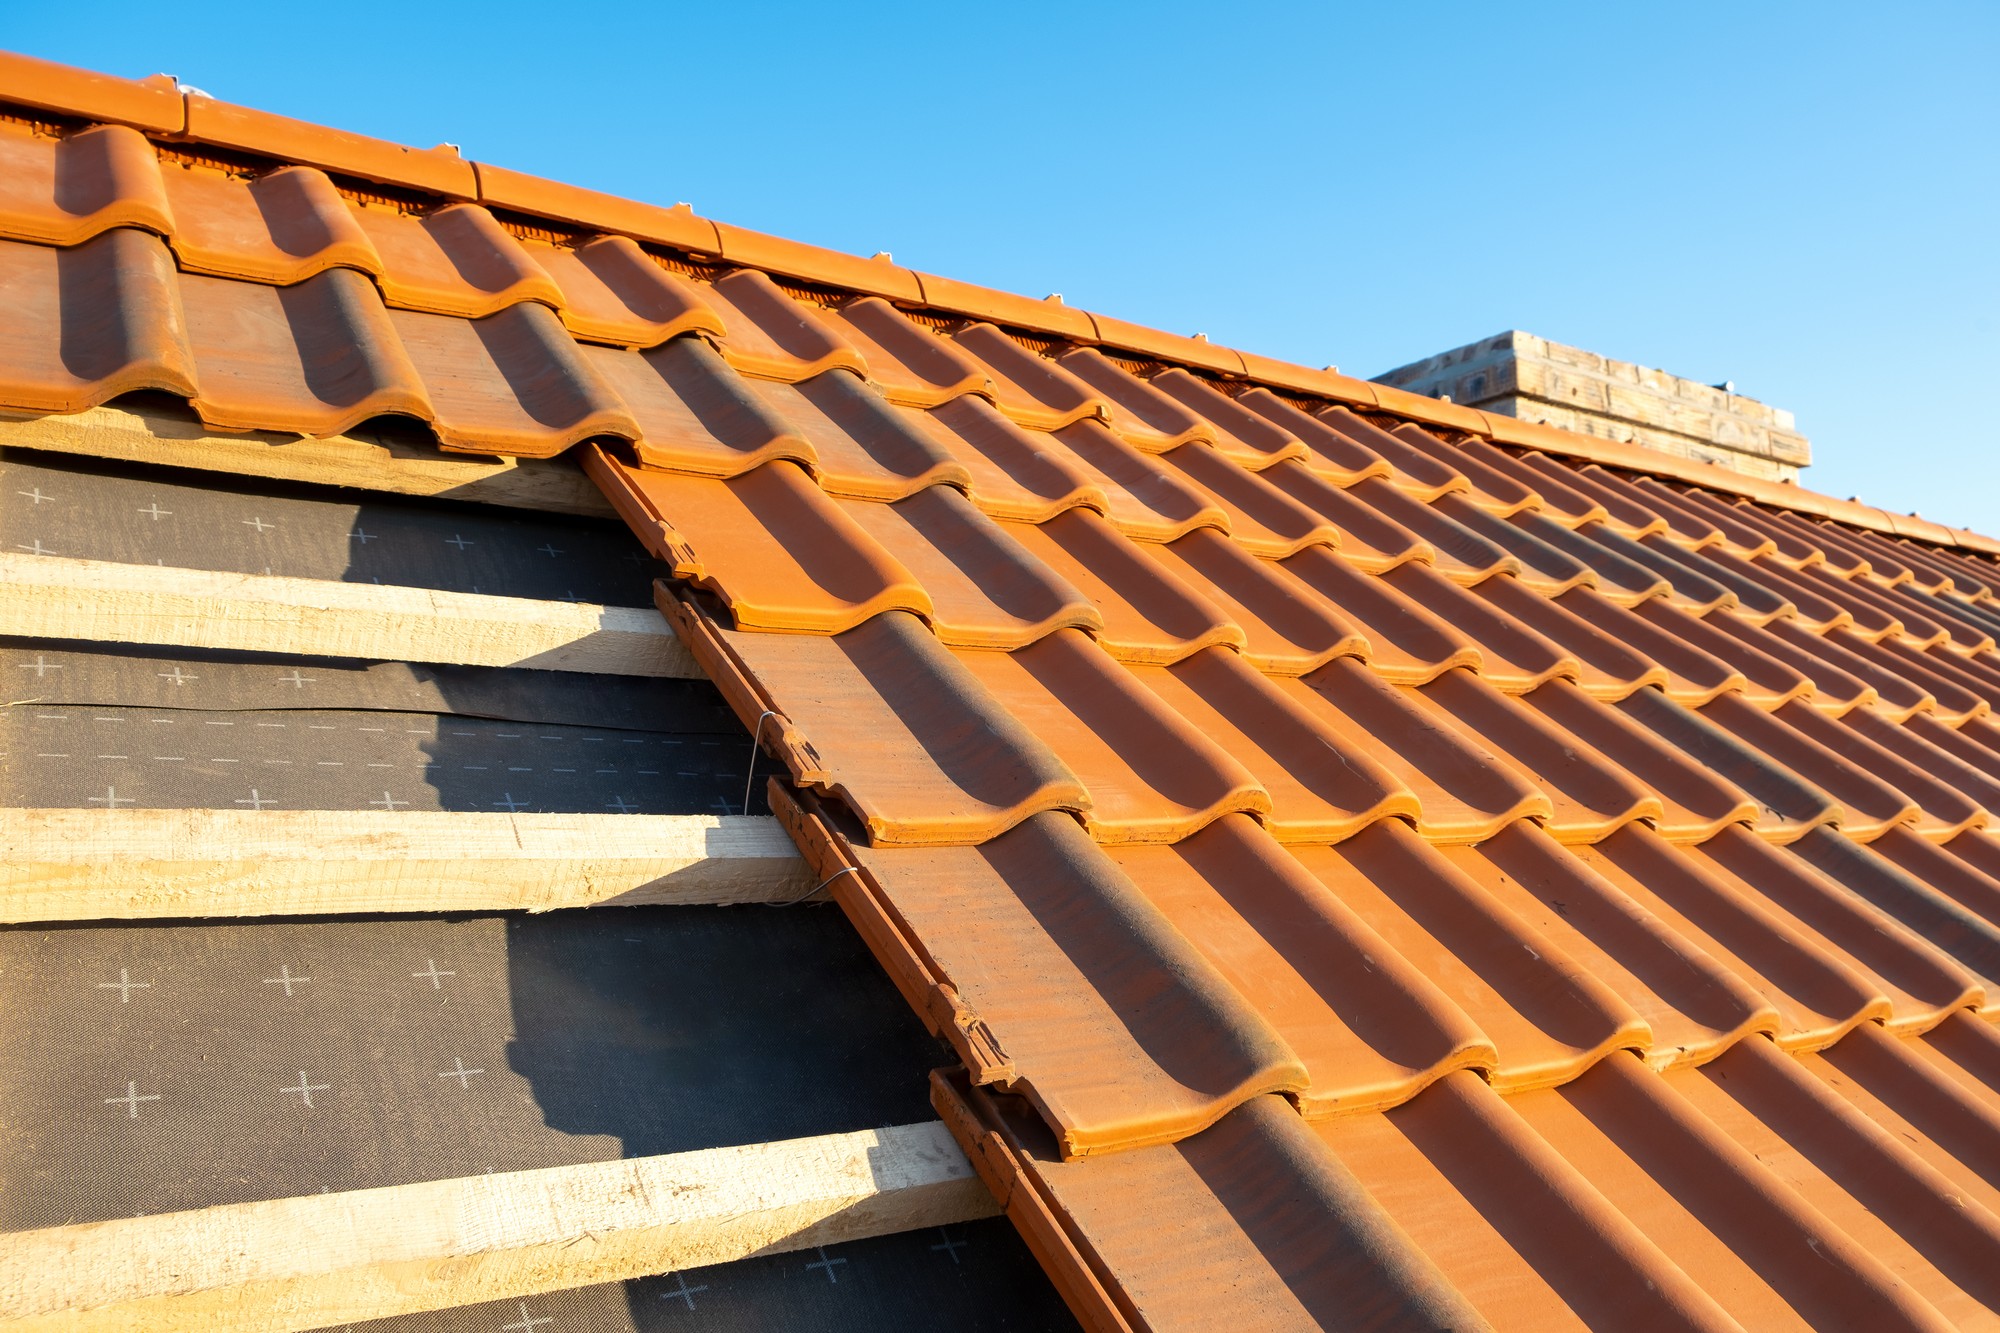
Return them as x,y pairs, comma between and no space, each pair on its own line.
92,322
1151,774
1431,867
279,228
911,364
65,191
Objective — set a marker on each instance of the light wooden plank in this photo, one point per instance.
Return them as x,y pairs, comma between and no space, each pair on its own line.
334,1258
359,460
55,597
85,865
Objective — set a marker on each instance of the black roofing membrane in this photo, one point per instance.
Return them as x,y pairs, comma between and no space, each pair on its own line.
155,1067
133,514
262,732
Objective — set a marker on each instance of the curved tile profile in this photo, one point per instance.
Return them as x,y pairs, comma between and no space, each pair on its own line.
1608,667
986,590
1406,643
1819,994
771,336
1137,1241
1412,471
1590,796
65,190
779,553
512,383
1033,391
280,228
1146,502
864,447
1528,1238
91,322
1547,1018
1694,1006
1262,518
1333,457
1016,474
1152,776
1103,1015
1145,417
1147,613
456,260
1244,437
890,721
1323,787
1788,805
614,292
1465,793
1695,803
1724,1196
694,414
1367,537
911,365
1288,629
1371,1029
318,358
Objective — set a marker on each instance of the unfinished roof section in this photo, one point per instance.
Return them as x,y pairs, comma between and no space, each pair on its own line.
1397,859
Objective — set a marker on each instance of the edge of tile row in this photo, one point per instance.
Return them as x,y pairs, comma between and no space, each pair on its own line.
160,105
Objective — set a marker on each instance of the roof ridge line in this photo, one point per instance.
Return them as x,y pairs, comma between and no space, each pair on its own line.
165,107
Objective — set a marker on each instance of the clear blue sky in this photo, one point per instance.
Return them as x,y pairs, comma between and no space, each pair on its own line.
1799,198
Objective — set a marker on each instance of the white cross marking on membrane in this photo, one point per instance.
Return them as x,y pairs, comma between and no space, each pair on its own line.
41,666
388,802
157,512
458,541
686,1293
948,1245
295,680
287,980
550,549
621,805
177,676
130,1101
305,1089
124,986
509,804
254,800
111,800
827,1264
36,549
432,974
460,1072
527,1323
258,523
35,496
363,535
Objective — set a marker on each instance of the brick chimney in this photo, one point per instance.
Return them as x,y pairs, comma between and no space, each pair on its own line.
1520,375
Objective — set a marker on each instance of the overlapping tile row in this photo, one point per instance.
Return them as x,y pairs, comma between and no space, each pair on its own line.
1852,1188
1259,795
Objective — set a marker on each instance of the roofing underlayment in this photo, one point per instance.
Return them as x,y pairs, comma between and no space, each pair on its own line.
1376,863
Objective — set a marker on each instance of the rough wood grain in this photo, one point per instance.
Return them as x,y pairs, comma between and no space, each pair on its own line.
334,1258
54,597
84,865
361,460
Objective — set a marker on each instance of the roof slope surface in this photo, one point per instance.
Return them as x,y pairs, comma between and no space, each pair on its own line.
1370,873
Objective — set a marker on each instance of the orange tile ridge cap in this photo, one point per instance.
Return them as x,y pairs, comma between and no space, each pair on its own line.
159,104
152,103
